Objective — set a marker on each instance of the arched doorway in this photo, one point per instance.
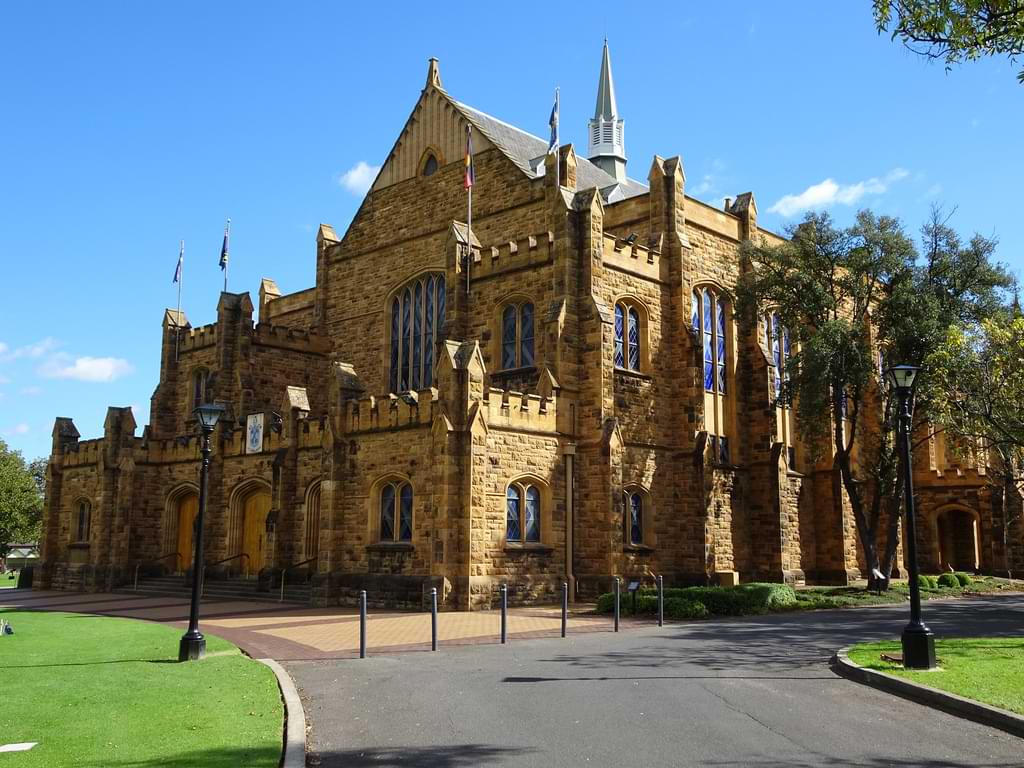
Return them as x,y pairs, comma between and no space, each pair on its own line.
958,539
188,506
311,546
255,508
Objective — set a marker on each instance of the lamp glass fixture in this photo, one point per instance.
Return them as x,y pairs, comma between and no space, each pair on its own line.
208,414
902,376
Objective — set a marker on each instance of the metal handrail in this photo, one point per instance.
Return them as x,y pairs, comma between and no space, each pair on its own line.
221,562
138,565
285,570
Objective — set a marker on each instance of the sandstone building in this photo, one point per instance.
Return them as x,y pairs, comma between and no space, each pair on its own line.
560,392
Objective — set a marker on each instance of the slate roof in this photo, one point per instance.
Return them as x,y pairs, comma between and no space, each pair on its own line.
528,151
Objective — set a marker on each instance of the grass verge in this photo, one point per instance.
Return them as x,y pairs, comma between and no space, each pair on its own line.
9,580
100,691
986,669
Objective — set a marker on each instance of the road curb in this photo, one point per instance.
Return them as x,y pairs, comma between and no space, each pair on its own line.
295,718
932,697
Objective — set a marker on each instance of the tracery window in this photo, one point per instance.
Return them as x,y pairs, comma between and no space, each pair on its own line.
777,340
430,165
417,316
517,336
627,336
635,517
84,522
200,382
708,318
396,512
522,513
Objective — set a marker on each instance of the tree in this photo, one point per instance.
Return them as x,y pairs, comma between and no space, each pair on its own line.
955,30
21,501
846,294
979,382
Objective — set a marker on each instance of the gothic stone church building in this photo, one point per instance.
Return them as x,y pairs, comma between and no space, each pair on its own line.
558,392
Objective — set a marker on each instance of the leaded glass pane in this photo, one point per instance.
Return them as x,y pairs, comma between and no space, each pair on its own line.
395,341
387,513
776,356
634,340
406,339
721,378
695,311
512,514
428,335
508,337
708,321
636,519
417,336
720,348
532,514
723,450
709,361
526,335
441,298
405,515
620,358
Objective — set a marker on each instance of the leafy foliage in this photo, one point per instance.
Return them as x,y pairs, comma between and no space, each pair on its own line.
21,498
955,31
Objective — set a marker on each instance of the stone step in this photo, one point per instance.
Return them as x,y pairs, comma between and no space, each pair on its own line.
230,589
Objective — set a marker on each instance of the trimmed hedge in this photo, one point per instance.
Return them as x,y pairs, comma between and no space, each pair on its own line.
743,600
924,581
964,578
949,580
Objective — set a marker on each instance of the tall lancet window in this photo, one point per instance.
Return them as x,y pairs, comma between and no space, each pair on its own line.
777,340
709,317
417,318
628,336
517,336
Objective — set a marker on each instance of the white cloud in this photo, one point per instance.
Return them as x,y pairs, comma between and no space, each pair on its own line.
359,177
829,193
33,351
17,429
90,369
32,391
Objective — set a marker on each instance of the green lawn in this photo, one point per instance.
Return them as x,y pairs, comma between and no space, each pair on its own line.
6,582
98,691
987,669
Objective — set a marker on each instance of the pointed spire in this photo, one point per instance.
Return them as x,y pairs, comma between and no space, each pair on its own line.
434,74
606,107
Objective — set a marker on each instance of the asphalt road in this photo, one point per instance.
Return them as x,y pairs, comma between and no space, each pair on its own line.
745,692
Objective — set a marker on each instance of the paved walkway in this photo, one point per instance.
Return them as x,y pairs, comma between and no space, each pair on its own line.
288,632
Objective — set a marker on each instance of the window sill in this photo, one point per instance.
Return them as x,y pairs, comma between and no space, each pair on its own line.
638,549
391,546
534,548
634,374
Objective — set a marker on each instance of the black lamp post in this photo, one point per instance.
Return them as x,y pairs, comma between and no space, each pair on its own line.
193,644
917,640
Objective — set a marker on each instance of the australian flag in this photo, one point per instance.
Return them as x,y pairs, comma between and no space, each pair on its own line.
224,247
181,261
553,122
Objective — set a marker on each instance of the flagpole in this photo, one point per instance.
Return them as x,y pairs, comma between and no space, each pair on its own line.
469,211
558,149
227,240
177,318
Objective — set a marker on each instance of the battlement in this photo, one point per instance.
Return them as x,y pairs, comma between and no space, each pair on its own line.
197,338
520,410
295,339
526,251
182,448
409,409
311,433
632,257
83,453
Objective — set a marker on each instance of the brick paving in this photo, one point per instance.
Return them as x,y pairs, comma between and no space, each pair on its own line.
290,632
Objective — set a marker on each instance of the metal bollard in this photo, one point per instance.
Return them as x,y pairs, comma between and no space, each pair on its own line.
433,619
661,602
617,583
565,605
362,624
504,613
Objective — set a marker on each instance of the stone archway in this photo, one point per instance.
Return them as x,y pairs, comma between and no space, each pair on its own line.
180,511
250,505
958,539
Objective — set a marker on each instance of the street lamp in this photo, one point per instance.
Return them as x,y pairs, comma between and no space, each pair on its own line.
193,644
917,640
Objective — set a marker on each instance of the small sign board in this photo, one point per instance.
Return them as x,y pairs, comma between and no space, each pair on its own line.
633,586
254,433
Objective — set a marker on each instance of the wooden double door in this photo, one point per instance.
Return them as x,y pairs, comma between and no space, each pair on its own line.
255,508
188,507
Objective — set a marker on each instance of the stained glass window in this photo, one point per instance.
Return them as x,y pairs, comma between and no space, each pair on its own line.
396,505
776,355
512,507
405,514
526,335
508,337
636,519
84,513
620,322
387,513
720,345
417,321
709,349
634,339
695,311
532,523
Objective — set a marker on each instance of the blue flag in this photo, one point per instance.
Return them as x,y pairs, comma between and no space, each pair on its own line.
181,261
224,247
553,122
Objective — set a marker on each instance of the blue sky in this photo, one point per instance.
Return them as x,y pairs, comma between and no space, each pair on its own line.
128,126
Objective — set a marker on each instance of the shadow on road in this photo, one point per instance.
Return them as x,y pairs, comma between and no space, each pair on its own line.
451,756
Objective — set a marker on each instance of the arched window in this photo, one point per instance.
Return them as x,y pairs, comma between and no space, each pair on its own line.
627,336
777,340
396,512
417,317
522,513
635,511
517,336
430,165
313,522
709,319
200,380
84,522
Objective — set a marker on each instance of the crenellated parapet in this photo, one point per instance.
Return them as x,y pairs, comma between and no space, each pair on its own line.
198,338
518,253
294,339
520,410
84,453
371,414
629,255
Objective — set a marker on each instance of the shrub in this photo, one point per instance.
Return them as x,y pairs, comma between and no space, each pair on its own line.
924,581
964,578
681,608
742,600
949,580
